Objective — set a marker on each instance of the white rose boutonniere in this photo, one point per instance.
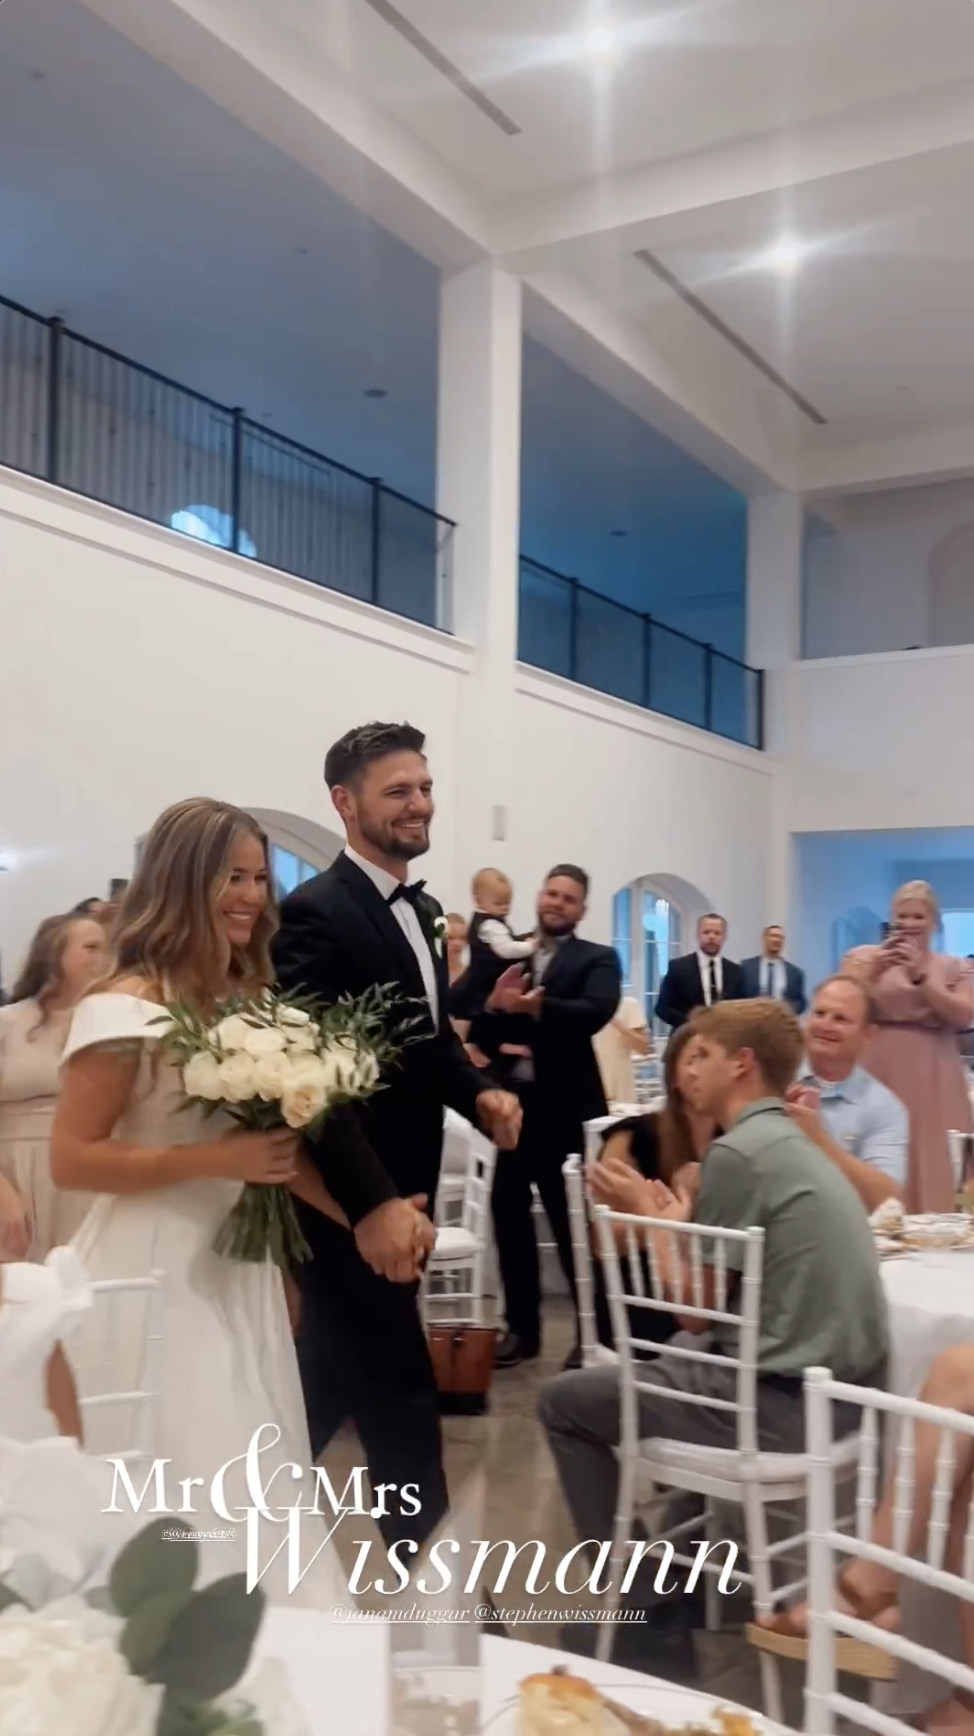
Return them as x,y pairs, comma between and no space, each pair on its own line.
439,934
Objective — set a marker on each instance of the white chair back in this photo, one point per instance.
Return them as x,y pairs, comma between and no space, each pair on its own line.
961,1157
690,1249
477,1185
139,1306
924,1564
582,1250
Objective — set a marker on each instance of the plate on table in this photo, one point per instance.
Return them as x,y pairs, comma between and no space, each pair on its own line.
641,1709
938,1230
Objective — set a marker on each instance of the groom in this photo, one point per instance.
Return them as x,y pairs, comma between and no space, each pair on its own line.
361,1345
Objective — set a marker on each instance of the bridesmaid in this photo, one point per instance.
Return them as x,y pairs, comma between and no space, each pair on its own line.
66,955
922,1000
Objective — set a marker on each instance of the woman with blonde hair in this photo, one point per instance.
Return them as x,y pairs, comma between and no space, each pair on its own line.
195,924
923,1000
66,955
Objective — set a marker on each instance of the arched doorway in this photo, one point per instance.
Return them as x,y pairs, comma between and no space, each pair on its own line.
300,848
652,919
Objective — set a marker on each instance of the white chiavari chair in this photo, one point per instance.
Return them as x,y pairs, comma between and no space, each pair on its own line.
593,1353
835,1640
455,1280
124,1424
741,1475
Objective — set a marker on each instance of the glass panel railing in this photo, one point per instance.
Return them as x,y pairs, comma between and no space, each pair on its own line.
678,676
545,617
570,630
610,649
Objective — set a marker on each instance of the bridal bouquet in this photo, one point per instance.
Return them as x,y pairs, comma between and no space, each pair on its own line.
273,1061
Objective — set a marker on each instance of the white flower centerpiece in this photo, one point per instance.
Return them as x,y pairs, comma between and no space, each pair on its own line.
148,1655
275,1061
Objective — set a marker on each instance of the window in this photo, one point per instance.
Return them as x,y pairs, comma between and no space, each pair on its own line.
207,524
288,870
646,929
958,933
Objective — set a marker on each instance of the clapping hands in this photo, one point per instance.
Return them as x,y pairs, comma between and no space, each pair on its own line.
512,993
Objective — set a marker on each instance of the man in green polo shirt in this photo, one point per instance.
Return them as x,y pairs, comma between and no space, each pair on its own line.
822,1302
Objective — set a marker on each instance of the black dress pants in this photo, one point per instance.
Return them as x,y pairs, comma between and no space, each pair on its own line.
363,1356
542,1149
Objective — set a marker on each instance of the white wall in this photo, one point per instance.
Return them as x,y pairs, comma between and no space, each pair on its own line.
137,667
866,582
881,742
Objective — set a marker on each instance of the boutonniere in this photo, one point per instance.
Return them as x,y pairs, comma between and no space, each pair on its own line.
439,934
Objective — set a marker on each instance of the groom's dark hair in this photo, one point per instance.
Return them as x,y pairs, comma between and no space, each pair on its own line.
347,759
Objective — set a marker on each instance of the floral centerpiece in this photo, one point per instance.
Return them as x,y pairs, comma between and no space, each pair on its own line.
148,1655
276,1061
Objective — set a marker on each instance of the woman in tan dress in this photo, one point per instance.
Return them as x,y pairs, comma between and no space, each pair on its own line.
66,955
922,1001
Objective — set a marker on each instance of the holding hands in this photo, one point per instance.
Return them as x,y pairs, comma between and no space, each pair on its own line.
396,1239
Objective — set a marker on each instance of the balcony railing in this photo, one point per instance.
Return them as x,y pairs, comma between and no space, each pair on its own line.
573,631
81,415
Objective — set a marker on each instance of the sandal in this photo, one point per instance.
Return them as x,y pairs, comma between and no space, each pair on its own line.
781,1636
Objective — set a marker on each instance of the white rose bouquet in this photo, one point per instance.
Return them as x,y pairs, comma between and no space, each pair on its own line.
148,1654
275,1061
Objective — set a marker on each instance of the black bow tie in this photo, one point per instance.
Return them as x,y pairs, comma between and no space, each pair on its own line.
411,892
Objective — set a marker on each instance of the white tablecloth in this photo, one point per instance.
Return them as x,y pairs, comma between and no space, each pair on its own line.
339,1672
931,1308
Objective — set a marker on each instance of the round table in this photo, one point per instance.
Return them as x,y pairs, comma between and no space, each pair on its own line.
931,1308
343,1677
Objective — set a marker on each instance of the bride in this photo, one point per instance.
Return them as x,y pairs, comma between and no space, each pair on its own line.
195,925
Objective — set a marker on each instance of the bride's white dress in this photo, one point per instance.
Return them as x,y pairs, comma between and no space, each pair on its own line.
228,1365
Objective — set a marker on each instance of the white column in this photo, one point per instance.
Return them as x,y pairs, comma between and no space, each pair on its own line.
774,635
479,471
774,580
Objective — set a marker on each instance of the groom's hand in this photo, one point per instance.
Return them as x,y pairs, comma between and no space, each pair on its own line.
387,1240
499,1113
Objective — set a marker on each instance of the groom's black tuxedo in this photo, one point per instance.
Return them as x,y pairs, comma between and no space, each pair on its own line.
361,1346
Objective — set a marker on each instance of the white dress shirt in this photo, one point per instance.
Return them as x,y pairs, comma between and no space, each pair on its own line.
705,961
408,920
774,979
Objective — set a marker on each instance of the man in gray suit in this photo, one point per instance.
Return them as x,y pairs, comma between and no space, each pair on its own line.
770,974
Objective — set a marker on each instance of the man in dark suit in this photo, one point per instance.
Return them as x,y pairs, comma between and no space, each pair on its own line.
361,1345
538,1026
700,978
771,975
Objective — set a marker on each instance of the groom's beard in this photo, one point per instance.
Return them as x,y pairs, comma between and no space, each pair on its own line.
398,846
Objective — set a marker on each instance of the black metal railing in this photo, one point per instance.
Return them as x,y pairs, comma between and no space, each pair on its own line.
78,414
565,627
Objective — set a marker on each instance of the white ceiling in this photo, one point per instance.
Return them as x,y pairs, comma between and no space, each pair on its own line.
720,125
692,74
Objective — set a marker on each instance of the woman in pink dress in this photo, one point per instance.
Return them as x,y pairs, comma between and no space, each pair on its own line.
923,1001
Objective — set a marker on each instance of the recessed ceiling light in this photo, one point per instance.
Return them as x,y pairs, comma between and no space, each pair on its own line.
786,256
599,43
376,392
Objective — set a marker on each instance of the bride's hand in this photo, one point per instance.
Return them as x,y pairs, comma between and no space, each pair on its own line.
260,1157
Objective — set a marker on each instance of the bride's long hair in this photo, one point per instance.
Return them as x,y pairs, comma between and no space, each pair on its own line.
167,928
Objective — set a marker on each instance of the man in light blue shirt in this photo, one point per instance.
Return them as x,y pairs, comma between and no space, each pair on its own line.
855,1120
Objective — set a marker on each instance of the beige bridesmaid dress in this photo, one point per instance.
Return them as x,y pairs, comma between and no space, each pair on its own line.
915,1054
30,1058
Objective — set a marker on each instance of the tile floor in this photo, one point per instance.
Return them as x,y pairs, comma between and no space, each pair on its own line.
522,1500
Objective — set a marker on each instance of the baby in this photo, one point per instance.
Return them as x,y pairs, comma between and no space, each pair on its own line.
493,896
492,947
